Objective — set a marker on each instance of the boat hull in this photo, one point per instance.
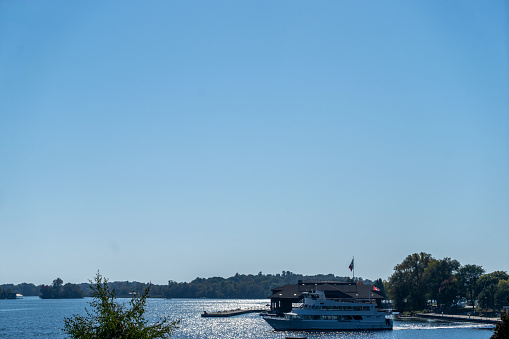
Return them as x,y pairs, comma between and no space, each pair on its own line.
282,324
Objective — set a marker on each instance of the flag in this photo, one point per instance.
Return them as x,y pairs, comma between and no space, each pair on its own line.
351,266
376,289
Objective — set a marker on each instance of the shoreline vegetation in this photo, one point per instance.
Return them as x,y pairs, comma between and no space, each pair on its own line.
239,286
60,291
420,283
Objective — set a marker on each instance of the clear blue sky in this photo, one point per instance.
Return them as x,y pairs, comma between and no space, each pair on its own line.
174,139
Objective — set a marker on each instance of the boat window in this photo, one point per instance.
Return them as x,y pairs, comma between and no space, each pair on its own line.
327,317
347,317
347,308
365,308
292,316
357,317
357,308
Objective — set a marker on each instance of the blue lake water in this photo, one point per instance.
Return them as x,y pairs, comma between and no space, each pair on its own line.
33,317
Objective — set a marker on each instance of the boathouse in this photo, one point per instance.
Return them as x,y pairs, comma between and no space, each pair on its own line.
283,297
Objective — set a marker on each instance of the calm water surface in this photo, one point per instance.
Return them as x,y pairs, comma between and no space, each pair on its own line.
33,317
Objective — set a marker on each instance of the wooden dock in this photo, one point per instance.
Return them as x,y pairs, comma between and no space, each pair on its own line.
453,317
232,313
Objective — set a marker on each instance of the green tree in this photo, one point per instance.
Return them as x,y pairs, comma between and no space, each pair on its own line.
406,285
111,319
435,274
486,288
48,292
490,279
57,283
3,294
468,276
71,291
449,291
28,289
502,294
59,291
486,298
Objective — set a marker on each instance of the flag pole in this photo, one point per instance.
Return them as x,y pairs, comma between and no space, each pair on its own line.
353,268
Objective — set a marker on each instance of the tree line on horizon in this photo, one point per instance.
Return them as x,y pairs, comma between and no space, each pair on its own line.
58,290
239,286
419,282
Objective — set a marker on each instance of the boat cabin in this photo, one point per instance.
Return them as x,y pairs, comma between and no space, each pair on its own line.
283,297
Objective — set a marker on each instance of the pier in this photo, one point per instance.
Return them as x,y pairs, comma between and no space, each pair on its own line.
453,317
232,313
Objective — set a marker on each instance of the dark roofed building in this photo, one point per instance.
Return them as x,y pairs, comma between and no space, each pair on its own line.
282,297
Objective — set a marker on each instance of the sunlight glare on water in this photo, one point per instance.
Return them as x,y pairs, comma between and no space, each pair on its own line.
253,326
33,317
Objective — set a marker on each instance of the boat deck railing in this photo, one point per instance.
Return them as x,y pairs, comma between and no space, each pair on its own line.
355,301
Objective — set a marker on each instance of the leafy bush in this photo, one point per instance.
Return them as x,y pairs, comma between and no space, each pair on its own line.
111,319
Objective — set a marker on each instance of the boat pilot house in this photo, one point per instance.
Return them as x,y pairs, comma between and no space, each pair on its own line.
283,297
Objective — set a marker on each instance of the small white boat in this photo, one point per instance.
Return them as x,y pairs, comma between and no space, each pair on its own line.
320,313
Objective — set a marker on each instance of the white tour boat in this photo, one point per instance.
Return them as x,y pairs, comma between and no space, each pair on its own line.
320,313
